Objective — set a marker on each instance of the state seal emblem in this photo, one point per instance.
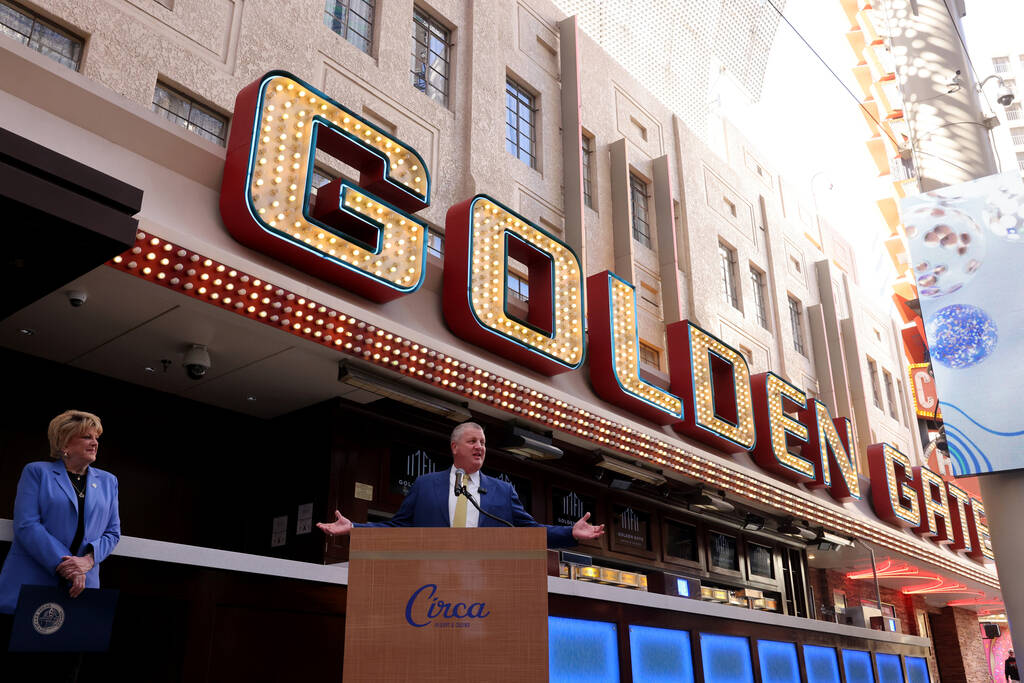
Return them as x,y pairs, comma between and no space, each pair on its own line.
48,618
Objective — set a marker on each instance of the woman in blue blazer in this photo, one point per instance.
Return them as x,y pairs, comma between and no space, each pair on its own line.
65,514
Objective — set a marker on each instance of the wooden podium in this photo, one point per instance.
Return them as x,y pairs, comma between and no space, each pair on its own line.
439,604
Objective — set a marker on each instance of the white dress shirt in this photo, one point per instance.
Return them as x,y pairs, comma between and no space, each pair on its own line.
471,482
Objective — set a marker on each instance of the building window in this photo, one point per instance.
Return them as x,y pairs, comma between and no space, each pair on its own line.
796,325
876,393
517,290
352,20
28,28
520,120
649,356
727,263
903,402
724,551
890,394
431,59
1013,112
760,304
1020,161
435,244
1017,134
518,287
588,152
187,113
1001,64
759,558
638,201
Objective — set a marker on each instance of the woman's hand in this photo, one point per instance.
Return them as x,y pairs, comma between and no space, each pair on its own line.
72,566
77,585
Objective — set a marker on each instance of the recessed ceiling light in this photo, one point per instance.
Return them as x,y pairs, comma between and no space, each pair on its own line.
250,397
150,370
27,331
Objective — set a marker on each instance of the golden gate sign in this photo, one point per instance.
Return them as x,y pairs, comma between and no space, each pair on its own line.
365,238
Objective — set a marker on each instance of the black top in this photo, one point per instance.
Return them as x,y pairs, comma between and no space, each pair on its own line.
78,483
1011,669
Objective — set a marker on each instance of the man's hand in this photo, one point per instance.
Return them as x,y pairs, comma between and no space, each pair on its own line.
339,527
72,566
585,531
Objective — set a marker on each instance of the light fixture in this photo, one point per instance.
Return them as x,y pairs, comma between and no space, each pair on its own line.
525,443
753,522
385,387
635,472
705,499
830,542
789,527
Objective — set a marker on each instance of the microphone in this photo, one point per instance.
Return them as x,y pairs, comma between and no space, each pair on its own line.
459,475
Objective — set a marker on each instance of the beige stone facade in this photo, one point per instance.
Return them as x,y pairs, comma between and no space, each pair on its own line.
699,204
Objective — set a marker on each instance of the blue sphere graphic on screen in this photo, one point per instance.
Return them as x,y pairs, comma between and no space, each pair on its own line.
960,336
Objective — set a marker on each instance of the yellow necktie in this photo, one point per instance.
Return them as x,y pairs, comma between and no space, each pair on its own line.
460,507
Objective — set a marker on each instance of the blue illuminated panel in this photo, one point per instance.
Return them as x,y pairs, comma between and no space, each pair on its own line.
660,654
683,587
889,668
726,659
583,651
917,670
778,662
821,664
857,665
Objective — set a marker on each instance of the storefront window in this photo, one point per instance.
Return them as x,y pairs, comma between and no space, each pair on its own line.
760,558
724,553
681,541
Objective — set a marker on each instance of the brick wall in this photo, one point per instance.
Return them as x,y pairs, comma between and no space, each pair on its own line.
959,649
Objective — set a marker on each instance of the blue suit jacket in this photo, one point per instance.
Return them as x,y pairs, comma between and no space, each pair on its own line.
427,505
45,519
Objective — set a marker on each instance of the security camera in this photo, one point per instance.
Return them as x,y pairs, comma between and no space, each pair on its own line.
197,361
1004,95
76,297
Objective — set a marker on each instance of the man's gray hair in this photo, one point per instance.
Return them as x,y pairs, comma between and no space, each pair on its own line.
457,432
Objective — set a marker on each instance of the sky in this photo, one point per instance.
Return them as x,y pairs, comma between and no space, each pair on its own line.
811,129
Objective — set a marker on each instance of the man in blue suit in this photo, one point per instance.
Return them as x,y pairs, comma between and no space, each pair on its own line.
432,500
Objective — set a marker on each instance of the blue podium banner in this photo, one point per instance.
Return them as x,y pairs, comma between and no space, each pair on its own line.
48,620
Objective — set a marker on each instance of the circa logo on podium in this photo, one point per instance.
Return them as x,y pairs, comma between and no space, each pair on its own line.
424,609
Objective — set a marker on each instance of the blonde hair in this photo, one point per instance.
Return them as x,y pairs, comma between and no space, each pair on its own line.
457,432
68,425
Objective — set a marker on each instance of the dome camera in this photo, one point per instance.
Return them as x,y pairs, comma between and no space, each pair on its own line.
76,297
1004,95
197,361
